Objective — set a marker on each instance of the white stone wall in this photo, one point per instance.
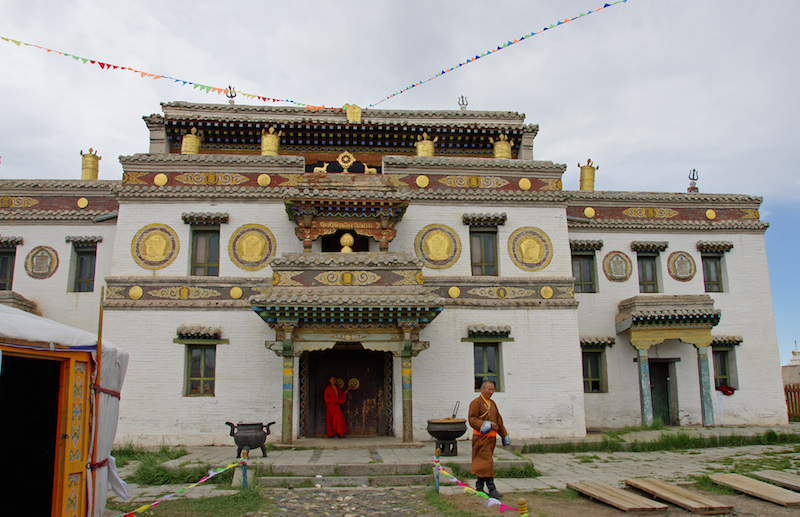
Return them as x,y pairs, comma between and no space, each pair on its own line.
550,219
134,217
746,305
53,295
541,391
154,409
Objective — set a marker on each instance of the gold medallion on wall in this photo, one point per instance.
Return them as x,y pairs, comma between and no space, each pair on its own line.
617,266
155,246
41,262
438,246
681,266
251,247
530,249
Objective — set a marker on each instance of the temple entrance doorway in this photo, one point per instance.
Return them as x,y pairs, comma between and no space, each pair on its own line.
664,391
368,410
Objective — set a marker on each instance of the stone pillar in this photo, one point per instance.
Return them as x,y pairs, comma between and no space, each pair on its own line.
645,397
704,369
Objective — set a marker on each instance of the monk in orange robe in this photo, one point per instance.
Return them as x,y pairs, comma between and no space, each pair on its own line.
486,423
335,424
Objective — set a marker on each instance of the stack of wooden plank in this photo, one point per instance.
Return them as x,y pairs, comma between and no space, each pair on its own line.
617,497
679,496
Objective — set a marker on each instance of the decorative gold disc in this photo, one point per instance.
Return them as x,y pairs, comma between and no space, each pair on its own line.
83,202
353,384
525,184
711,214
589,212
160,179
135,292
264,180
236,293
454,292
423,181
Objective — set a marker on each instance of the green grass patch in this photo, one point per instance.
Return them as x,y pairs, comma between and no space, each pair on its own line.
514,471
667,441
443,506
235,505
127,453
705,484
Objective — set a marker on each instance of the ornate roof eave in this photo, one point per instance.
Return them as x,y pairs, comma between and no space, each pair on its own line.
53,215
612,197
346,260
660,224
175,110
427,164
212,159
597,342
666,311
58,185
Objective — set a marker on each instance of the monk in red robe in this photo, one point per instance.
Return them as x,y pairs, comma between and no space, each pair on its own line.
334,416
487,424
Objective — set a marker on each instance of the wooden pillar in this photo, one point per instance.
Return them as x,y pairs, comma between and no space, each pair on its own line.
408,419
288,386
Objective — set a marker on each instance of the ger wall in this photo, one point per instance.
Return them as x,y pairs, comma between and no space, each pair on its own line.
746,306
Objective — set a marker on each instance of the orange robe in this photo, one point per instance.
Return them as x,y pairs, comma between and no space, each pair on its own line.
483,444
334,416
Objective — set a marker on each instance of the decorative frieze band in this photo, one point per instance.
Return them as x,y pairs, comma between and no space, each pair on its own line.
204,217
714,246
585,245
10,242
484,219
651,246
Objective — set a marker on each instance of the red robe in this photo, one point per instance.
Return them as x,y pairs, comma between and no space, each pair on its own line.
334,416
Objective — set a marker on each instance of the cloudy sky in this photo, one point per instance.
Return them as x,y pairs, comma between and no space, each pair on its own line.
647,89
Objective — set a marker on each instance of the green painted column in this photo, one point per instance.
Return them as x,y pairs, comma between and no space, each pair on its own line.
288,387
645,397
706,401
408,420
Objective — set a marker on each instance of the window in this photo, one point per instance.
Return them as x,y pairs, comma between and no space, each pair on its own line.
205,251
201,366
483,248
648,273
487,363
712,272
592,371
7,257
722,370
584,272
85,258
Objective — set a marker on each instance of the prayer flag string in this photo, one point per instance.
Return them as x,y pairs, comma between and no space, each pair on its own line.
490,501
228,91
500,47
211,474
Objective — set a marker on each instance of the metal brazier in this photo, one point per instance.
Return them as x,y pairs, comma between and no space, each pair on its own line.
250,436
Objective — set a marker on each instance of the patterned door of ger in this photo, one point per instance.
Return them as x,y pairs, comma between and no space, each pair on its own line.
74,414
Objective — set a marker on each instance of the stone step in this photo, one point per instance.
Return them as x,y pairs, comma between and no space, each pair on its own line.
380,469
331,481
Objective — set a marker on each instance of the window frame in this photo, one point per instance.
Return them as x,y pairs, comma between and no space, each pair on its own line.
708,258
207,265
730,365
203,378
79,253
592,268
486,375
643,258
600,379
482,233
7,280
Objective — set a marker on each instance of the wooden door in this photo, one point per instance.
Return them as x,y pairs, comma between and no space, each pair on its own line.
366,409
659,391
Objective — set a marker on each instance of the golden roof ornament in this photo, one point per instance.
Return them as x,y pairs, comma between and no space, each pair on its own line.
347,242
587,175
353,113
270,142
693,177
346,160
424,144
191,142
502,146
90,165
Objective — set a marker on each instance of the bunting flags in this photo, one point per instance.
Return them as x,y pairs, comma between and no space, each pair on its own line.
213,89
499,47
211,474
147,75
490,501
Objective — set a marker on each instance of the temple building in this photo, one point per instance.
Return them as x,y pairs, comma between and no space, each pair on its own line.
253,252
